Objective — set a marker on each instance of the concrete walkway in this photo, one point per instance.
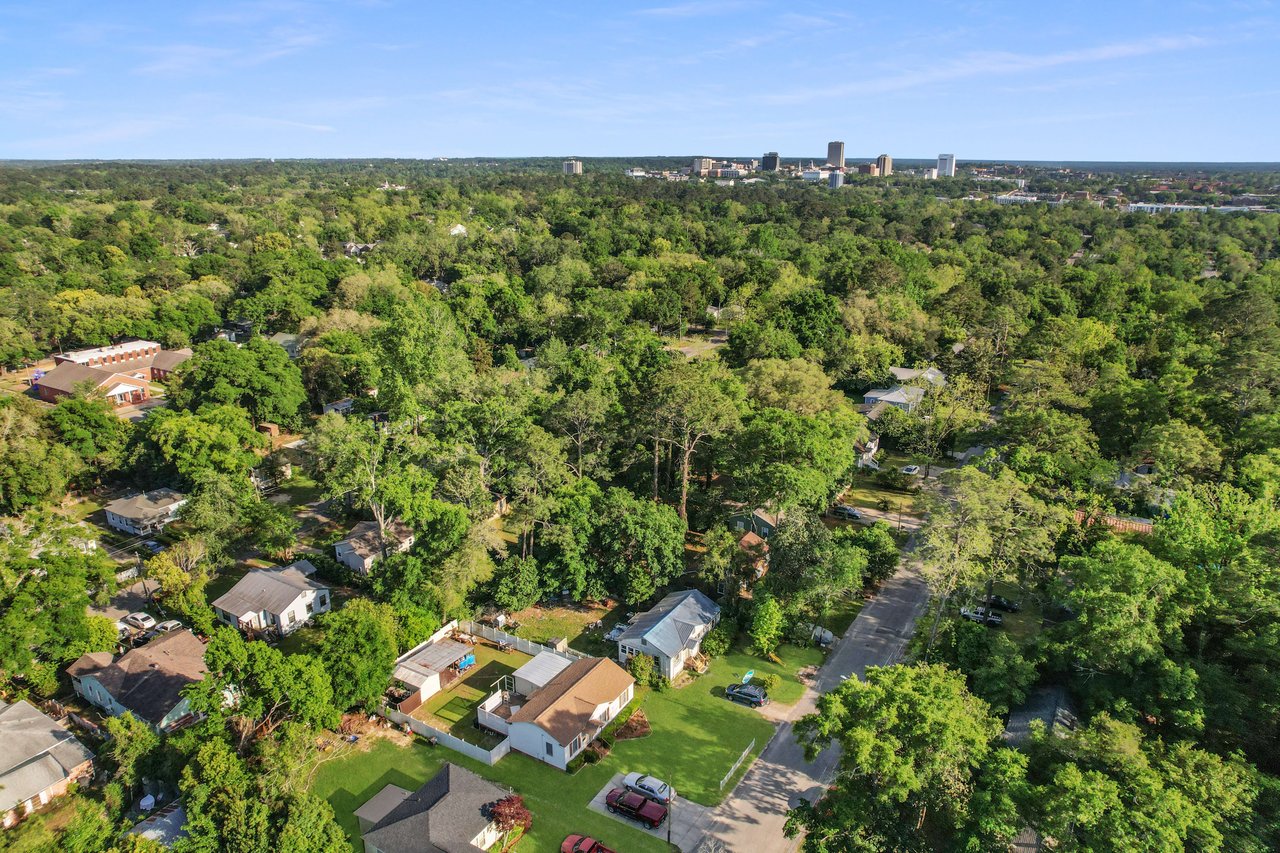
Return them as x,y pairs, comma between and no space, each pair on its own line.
753,817
687,822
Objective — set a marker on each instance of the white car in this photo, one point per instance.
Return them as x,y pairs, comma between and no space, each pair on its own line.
911,470
143,621
654,789
169,625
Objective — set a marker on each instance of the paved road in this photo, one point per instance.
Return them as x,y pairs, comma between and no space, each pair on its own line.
752,818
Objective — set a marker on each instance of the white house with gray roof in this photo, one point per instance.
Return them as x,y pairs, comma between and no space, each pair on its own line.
671,632
280,600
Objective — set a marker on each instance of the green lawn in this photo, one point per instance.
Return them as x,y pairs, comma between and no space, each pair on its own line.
225,579
842,613
557,800
542,624
791,659
454,708
300,488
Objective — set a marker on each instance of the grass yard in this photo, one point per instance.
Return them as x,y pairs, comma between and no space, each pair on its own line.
866,493
454,708
300,488
542,624
557,800
842,613
790,660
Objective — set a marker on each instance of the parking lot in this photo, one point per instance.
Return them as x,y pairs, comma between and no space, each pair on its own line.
687,821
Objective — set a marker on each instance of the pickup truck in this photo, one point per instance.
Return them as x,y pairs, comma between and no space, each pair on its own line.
636,806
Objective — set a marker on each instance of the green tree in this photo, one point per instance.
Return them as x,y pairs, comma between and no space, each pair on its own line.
696,401
359,652
766,625
519,583
132,744
913,742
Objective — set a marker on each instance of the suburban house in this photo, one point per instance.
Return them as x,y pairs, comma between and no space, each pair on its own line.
904,397
452,812
147,512
565,708
281,600
867,451
758,521
121,372
363,545
909,375
427,668
146,681
39,760
672,631
756,552
291,344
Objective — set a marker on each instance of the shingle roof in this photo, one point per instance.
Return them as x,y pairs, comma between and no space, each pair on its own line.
146,504
563,708
170,358
443,815
66,376
672,622
149,680
363,538
270,590
35,752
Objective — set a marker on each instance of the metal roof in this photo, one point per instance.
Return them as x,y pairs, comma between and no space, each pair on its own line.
544,667
670,625
434,659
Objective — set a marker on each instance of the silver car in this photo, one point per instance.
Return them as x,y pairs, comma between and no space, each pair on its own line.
654,789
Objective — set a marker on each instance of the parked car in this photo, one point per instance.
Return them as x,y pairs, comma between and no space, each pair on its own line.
169,625
999,602
911,470
654,789
747,694
982,616
636,806
153,546
846,511
583,844
819,635
615,632
140,620
144,637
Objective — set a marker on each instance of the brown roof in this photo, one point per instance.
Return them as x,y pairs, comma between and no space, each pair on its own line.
365,540
170,358
91,662
149,680
67,375
564,706
752,542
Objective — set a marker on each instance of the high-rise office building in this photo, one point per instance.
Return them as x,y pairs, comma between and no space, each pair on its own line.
771,162
573,167
702,166
885,162
835,154
946,165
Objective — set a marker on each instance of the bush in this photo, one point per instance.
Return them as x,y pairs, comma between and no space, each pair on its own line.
716,643
576,763
770,681
641,668
659,682
619,721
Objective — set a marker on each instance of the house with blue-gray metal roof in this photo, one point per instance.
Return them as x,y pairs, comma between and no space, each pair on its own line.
671,632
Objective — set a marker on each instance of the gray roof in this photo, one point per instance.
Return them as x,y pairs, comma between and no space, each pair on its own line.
269,590
377,808
669,626
544,667
67,375
364,540
416,666
148,680
35,753
169,359
165,826
1049,705
144,505
443,815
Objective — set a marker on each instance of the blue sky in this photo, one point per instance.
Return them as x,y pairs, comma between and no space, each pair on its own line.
1034,79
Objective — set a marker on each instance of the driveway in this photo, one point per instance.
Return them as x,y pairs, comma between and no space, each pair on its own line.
687,821
754,815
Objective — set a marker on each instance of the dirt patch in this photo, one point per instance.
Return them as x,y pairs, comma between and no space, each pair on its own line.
636,727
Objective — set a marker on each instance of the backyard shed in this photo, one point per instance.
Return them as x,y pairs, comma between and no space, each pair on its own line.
537,672
425,670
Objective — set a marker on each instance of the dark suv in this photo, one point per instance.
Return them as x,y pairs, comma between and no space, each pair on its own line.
636,806
747,694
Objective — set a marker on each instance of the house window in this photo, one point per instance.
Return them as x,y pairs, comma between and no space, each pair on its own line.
293,617
311,608
324,599
550,751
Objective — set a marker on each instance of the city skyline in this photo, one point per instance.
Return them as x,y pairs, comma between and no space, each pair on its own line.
303,78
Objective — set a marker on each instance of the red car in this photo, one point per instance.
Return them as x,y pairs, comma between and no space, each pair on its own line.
583,844
636,806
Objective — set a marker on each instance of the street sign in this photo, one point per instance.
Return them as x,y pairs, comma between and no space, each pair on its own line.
746,679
